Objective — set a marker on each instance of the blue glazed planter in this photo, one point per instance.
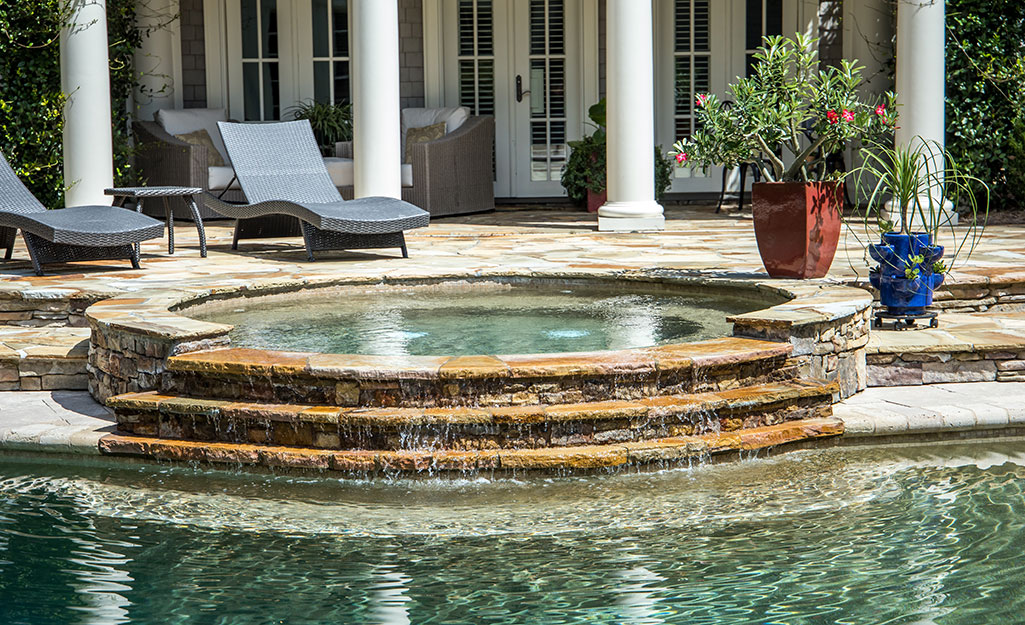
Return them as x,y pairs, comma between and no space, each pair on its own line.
898,293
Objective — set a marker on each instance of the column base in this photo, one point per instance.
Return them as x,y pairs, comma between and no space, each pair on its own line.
631,217
945,215
631,224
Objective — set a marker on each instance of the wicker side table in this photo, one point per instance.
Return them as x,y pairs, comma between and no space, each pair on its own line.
139,194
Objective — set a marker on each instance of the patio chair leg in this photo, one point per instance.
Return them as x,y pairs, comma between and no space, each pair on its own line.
234,238
33,254
722,193
405,252
9,253
135,257
740,194
307,240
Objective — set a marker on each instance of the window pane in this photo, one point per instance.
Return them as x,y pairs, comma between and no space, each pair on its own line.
250,30
342,81
754,24
271,102
322,81
269,24
682,25
320,28
340,22
251,90
774,17
485,28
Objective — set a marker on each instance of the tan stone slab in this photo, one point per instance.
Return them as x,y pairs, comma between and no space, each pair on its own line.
364,367
473,367
628,362
241,361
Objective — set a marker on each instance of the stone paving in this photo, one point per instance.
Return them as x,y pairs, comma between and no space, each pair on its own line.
935,409
52,421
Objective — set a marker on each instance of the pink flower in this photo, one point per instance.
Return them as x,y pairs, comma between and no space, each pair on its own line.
702,99
832,117
681,157
881,110
848,116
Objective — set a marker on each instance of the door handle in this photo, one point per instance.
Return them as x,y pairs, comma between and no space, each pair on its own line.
519,89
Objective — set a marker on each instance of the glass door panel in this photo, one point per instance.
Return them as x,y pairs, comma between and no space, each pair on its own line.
260,64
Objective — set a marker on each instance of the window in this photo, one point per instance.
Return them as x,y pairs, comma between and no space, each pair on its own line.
331,69
260,69
477,56
764,18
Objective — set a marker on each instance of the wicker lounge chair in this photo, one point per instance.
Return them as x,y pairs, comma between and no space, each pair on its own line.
282,173
69,234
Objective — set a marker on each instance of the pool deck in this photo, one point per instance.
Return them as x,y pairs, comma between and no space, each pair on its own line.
696,241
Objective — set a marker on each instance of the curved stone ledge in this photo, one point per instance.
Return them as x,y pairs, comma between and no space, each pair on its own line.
134,335
661,452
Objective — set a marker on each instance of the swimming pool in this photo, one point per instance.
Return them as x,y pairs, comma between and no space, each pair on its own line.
924,534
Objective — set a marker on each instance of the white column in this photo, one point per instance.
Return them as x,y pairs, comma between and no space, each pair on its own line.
921,76
631,204
85,80
375,99
158,58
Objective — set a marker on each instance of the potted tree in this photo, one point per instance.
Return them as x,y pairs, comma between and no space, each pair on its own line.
786,118
911,191
583,176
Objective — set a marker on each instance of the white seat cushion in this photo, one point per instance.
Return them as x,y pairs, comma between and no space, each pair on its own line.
453,116
340,170
183,121
219,177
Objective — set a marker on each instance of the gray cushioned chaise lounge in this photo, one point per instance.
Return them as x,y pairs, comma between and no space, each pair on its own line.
281,172
69,234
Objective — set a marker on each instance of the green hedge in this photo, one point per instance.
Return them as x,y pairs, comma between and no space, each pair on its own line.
986,93
31,102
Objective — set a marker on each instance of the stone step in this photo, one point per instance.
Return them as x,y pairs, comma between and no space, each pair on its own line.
662,452
406,381
43,359
471,428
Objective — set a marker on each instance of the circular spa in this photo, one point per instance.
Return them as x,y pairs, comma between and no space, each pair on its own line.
461,318
471,375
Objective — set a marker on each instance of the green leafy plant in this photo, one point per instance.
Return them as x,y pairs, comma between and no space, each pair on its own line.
331,122
585,168
985,92
920,183
787,116
31,100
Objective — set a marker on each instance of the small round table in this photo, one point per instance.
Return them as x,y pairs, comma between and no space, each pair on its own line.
186,193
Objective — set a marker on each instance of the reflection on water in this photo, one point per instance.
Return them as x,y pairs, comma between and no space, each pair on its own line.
920,535
487,318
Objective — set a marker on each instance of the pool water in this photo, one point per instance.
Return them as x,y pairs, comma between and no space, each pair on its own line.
925,534
479,318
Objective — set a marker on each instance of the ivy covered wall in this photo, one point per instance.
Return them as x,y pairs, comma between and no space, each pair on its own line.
31,102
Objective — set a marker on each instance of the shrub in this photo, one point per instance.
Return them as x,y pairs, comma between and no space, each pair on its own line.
986,93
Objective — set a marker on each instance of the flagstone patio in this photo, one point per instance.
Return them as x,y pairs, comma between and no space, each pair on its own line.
44,342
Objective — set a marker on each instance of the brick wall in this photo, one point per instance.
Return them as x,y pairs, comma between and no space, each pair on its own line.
411,52
193,54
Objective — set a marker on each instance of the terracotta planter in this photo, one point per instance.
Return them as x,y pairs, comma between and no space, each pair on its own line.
797,225
596,200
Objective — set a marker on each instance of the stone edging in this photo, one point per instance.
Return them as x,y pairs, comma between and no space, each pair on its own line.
134,334
601,457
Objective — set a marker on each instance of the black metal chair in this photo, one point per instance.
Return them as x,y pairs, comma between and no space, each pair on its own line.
69,234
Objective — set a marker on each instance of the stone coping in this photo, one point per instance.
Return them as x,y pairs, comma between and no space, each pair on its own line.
154,313
666,451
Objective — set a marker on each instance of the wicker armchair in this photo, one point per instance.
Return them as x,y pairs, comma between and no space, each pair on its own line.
452,175
165,160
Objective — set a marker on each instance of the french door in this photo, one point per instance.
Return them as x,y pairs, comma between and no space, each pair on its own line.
523,61
283,52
